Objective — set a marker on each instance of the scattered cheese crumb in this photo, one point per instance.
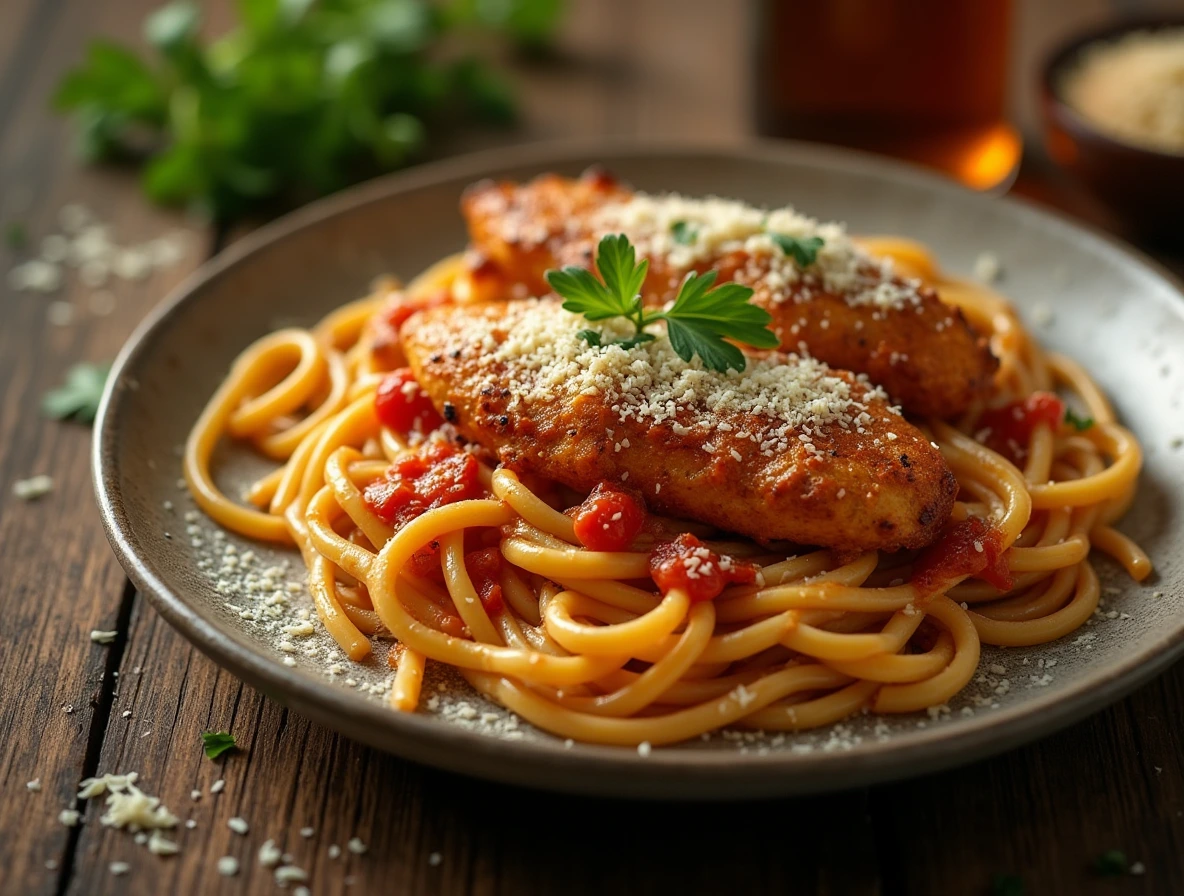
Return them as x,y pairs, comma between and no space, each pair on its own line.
287,874
356,846
306,832
69,817
217,786
228,866
270,854
643,748
33,488
119,868
238,825
435,859
159,845
986,267
101,637
33,786
334,850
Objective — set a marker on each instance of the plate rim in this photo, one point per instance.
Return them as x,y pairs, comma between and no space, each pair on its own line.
585,768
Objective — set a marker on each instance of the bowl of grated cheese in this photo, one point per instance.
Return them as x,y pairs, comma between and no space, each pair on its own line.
1113,104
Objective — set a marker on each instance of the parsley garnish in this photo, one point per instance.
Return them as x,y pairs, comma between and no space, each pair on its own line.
1111,863
684,232
78,397
1007,885
215,743
15,235
803,250
1079,423
298,98
697,323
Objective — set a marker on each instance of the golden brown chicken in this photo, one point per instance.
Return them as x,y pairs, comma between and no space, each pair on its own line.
788,449
827,296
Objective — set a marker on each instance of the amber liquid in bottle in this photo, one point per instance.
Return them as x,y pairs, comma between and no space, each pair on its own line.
923,80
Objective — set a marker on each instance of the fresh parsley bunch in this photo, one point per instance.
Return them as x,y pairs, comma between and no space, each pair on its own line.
699,322
301,98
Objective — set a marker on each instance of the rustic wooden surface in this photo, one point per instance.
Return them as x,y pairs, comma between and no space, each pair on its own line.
1043,812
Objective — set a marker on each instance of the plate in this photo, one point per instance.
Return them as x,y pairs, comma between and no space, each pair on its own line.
1082,293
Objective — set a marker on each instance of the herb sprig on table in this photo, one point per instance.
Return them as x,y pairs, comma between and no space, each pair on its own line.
301,98
699,322
79,396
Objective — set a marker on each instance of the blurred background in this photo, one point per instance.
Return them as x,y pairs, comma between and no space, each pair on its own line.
238,111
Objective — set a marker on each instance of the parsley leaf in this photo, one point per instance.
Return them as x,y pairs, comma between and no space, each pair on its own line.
78,397
1079,423
803,250
16,236
684,233
215,743
699,322
1111,863
299,98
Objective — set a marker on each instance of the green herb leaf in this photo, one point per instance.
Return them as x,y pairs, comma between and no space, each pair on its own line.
585,294
699,322
1079,423
803,250
725,309
78,397
15,235
1111,863
1007,885
215,743
299,98
684,233
690,338
616,260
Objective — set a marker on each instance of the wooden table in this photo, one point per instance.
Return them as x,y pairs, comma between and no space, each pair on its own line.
70,707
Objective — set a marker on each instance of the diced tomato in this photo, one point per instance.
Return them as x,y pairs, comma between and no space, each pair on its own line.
434,474
969,548
403,307
610,518
1008,429
688,564
485,568
402,405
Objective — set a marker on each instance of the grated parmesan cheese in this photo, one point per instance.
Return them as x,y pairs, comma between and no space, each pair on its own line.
32,488
724,226
776,402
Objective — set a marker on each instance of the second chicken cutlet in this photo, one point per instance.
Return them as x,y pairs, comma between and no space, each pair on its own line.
829,298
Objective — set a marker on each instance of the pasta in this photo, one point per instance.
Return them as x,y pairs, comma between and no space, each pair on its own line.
580,645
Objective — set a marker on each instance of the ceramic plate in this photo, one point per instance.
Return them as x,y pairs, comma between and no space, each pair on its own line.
1082,293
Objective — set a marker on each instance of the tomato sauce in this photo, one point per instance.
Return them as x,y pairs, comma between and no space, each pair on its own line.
403,406
485,567
703,574
384,333
1008,429
432,475
610,518
971,547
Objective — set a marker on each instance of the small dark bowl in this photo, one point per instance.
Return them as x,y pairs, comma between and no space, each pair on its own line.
1143,187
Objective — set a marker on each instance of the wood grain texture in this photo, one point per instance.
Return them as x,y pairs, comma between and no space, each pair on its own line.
1047,811
59,578
623,67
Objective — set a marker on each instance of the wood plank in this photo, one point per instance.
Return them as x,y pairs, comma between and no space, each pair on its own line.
66,582
490,839
1047,811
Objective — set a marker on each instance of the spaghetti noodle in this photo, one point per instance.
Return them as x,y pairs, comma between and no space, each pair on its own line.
581,643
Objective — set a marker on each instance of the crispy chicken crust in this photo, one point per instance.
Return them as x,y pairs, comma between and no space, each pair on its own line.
886,489
927,357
